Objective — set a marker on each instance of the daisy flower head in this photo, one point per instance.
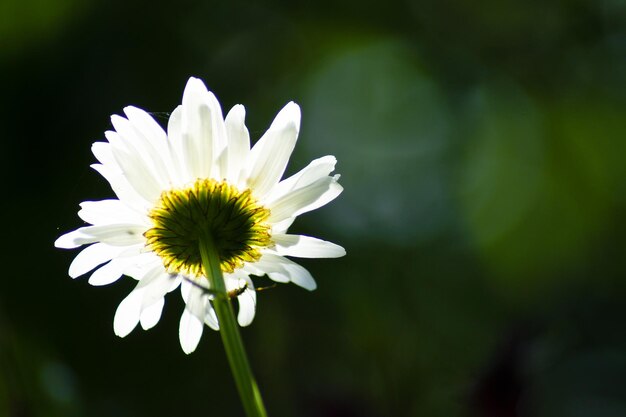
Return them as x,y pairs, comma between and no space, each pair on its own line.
200,178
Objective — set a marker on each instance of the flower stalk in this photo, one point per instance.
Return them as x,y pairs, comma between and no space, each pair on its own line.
229,331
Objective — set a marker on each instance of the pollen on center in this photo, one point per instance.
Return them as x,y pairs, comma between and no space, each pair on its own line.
235,220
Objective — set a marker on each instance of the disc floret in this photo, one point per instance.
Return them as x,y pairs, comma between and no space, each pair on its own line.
234,219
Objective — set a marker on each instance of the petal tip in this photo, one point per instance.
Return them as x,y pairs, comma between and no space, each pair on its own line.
287,118
121,331
194,85
58,243
189,331
294,113
237,114
67,241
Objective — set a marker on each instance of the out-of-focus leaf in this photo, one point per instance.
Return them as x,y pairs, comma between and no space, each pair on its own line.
387,123
22,23
534,189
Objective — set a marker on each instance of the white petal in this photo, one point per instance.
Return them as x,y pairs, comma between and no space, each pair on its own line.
203,131
281,269
306,247
190,329
317,169
305,199
113,234
112,271
142,263
196,138
282,226
116,234
238,142
247,306
278,274
151,315
187,286
149,140
191,322
161,284
220,146
108,211
180,172
270,155
147,126
300,276
143,303
210,318
107,274
259,268
122,188
175,282
220,139
72,240
127,314
104,154
91,257
236,280
189,332
136,168
136,163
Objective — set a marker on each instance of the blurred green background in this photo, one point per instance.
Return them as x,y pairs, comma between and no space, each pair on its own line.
481,146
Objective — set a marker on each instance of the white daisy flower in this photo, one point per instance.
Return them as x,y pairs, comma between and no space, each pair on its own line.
201,175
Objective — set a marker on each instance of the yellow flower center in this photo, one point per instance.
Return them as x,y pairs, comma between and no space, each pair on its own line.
234,219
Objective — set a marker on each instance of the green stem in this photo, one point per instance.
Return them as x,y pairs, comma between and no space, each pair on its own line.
229,330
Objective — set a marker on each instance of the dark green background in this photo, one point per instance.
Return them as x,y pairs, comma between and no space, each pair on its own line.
481,146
